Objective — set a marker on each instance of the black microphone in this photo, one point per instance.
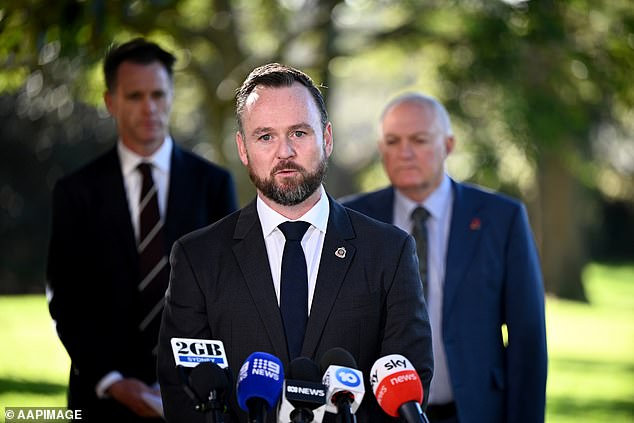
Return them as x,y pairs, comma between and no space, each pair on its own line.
208,385
304,396
344,382
204,372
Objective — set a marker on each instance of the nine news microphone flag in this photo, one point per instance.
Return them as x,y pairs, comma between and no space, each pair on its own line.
259,385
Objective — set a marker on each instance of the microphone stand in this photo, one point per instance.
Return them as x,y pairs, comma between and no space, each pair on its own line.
257,410
302,415
344,413
213,409
412,413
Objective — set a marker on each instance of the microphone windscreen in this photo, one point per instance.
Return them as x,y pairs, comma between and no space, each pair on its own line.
337,357
303,368
395,382
342,378
206,377
304,389
261,376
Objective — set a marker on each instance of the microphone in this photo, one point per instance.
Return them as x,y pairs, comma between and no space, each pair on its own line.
205,375
209,385
397,388
344,384
304,398
259,385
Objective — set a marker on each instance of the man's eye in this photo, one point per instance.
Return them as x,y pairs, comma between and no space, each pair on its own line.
265,137
299,134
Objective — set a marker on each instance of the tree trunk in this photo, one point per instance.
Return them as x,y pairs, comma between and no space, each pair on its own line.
562,248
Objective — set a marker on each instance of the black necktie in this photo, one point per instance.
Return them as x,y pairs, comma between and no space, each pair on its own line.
294,286
419,216
153,263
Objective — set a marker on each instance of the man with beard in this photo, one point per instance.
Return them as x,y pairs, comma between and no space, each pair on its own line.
358,286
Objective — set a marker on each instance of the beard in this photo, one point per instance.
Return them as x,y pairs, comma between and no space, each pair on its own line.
292,190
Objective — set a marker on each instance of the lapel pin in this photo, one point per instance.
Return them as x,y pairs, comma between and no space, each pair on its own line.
475,224
341,252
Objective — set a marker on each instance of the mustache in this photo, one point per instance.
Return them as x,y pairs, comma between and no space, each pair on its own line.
287,165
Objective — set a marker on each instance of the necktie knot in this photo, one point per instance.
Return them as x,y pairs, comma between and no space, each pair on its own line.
294,231
420,214
146,169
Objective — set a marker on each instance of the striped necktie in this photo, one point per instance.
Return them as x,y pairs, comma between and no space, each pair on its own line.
153,263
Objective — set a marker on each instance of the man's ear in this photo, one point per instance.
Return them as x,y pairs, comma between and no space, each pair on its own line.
107,99
450,143
328,139
242,149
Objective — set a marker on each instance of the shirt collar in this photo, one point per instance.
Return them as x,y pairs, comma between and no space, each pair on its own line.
317,216
161,159
436,204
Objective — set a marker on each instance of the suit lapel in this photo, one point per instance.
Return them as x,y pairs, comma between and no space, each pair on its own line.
333,267
116,207
180,191
464,238
251,255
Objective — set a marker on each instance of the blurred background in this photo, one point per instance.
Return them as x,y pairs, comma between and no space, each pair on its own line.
540,92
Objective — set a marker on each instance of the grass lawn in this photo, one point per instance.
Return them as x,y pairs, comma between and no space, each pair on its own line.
591,347
591,350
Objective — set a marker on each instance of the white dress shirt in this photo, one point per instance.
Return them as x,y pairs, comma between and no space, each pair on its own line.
439,204
312,242
132,179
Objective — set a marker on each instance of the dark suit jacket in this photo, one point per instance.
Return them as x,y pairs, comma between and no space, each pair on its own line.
93,264
492,278
369,303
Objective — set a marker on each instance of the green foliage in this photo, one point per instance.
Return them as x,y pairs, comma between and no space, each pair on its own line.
530,85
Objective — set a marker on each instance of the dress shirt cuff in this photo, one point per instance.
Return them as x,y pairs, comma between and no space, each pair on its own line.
106,382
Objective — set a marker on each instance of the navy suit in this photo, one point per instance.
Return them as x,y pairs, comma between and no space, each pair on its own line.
93,267
368,301
492,278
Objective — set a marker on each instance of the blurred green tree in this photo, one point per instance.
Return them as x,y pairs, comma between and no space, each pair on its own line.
542,93
540,90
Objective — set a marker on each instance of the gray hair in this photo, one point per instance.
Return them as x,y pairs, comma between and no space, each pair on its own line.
441,113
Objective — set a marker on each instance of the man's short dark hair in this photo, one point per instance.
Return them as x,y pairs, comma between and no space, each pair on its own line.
277,75
139,51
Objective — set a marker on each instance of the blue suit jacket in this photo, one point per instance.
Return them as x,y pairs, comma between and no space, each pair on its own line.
93,267
492,279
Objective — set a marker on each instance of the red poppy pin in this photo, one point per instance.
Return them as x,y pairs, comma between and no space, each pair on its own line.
475,224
